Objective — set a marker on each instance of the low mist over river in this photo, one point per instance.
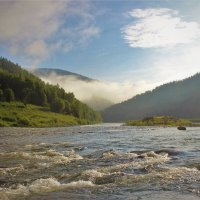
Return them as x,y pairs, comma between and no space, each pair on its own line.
105,161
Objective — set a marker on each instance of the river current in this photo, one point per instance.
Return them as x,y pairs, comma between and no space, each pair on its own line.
106,161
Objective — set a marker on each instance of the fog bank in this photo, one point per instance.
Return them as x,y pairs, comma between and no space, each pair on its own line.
89,91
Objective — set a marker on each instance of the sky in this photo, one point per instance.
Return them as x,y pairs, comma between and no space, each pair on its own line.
138,44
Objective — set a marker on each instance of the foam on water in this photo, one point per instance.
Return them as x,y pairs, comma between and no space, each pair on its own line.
99,178
10,171
41,186
91,175
148,159
150,163
50,156
113,154
163,177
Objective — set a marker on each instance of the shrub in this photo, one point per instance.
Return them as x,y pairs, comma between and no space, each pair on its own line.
1,95
9,95
23,122
2,124
58,105
9,119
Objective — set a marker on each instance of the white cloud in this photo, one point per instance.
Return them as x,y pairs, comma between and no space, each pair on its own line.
164,28
35,29
160,27
25,26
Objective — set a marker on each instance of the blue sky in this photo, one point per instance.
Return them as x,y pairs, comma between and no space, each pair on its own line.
141,42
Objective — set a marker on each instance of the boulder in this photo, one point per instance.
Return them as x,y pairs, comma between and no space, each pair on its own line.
182,128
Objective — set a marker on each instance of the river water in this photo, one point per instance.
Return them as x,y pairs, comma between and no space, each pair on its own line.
107,161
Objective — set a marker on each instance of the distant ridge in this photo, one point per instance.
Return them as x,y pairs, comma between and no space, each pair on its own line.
179,99
61,72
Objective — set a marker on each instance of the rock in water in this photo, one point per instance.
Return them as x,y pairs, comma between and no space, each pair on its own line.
181,128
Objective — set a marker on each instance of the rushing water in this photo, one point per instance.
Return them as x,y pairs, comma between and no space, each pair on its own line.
106,161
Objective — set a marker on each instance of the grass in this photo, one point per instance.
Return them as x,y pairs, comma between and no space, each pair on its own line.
160,121
16,114
195,120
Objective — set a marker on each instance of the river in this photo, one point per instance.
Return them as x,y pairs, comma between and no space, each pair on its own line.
106,161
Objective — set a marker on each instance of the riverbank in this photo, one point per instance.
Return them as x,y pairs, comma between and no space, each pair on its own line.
16,114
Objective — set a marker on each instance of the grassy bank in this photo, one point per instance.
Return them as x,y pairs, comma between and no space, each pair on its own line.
160,121
195,120
16,114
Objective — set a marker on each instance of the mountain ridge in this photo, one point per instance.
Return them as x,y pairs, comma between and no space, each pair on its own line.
177,98
48,71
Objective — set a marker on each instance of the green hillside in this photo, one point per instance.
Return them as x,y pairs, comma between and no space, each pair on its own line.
18,115
17,84
180,99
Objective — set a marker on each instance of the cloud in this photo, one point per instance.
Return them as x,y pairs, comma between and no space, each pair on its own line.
37,49
160,27
36,29
26,26
164,29
84,91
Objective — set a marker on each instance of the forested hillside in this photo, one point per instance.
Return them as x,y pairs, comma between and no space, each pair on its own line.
17,84
178,99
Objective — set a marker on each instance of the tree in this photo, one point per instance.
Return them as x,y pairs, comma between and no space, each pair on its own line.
42,98
1,95
9,95
58,105
67,108
27,95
